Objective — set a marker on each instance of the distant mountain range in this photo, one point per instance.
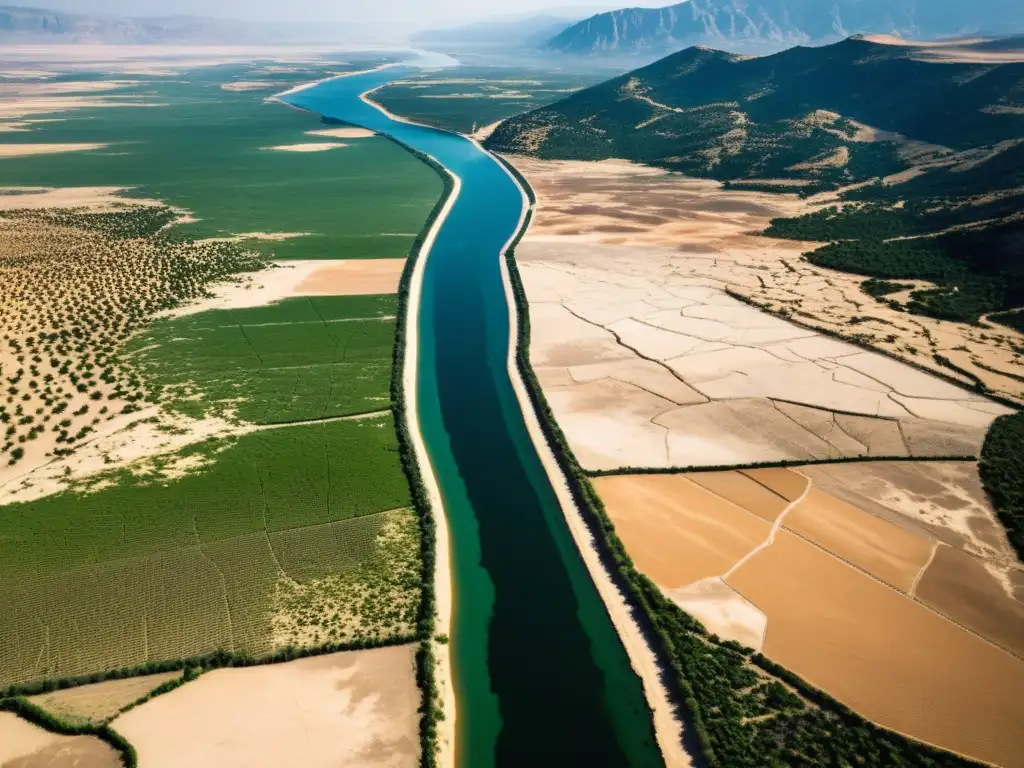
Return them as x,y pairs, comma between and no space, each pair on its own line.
39,25
942,125
528,32
19,24
769,25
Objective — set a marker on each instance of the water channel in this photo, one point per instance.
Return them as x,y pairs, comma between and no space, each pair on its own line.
540,675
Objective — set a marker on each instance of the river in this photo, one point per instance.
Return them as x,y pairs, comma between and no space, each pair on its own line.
540,675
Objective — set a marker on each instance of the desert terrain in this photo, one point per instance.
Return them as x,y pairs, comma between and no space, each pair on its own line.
634,333
650,358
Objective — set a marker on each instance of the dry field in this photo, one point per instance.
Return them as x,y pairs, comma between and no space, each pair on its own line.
676,531
626,268
101,701
886,656
356,709
865,602
23,745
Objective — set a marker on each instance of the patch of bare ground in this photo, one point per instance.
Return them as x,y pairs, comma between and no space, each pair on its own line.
723,611
101,701
93,199
745,492
354,277
24,150
342,133
357,708
676,531
892,554
624,246
961,587
884,655
939,500
23,745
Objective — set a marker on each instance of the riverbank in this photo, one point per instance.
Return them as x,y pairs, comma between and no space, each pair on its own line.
442,562
668,725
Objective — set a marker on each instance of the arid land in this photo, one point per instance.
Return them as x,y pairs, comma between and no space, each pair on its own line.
649,362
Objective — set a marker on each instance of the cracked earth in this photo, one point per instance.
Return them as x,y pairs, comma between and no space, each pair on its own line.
648,362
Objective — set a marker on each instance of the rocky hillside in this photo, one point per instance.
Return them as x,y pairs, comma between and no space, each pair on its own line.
925,160
760,25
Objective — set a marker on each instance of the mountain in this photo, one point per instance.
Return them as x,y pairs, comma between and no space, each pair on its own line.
947,135
39,25
761,25
529,32
19,24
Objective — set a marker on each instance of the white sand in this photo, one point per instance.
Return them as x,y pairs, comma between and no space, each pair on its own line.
21,150
442,570
320,146
723,611
96,199
343,133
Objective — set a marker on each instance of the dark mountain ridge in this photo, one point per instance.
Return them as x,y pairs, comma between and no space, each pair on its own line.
947,137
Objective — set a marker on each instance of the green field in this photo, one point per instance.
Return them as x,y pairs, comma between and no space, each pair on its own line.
170,564
466,98
204,149
297,360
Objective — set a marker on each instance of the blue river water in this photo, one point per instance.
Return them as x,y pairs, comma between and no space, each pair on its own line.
541,677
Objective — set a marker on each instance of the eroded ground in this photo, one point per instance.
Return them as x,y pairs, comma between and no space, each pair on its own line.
627,268
357,708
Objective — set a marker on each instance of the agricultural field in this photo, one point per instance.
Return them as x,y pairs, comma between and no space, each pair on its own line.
200,454
471,98
297,360
767,558
205,142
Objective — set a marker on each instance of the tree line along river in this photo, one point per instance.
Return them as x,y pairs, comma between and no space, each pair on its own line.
541,678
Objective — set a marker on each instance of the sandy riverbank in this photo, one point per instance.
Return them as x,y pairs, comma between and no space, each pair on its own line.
668,726
442,568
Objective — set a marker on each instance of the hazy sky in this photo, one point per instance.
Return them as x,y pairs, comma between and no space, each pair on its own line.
401,11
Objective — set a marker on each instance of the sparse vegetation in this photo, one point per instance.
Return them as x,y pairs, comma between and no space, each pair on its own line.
74,286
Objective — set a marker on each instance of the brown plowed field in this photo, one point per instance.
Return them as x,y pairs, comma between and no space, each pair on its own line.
785,482
884,550
882,654
957,585
676,531
742,491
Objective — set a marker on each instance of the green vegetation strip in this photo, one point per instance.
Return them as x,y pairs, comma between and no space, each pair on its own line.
735,700
763,465
1002,473
431,711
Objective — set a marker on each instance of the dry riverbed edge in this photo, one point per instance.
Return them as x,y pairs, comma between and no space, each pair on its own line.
668,725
